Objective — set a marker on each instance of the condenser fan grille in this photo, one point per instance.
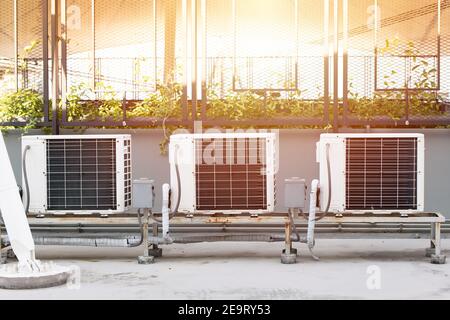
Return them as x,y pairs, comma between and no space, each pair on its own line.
381,173
231,174
81,174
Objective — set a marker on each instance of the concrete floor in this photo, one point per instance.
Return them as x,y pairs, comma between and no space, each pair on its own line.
253,271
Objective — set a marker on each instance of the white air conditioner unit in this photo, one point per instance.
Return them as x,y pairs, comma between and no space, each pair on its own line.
380,173
80,174
223,172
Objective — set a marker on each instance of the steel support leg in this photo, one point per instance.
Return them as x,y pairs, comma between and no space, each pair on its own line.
431,250
155,251
288,256
437,257
146,258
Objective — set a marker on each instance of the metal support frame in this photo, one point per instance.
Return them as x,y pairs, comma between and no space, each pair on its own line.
244,227
146,258
154,249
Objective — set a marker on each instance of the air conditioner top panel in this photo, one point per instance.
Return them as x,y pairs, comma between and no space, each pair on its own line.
223,135
84,136
370,135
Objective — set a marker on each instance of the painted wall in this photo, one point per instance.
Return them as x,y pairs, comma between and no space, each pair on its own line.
297,158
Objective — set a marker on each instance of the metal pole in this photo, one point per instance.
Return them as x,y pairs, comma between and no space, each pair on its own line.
194,58
45,59
16,46
204,64
375,44
297,41
326,61
185,64
93,44
336,68
345,62
288,238
439,47
155,42
145,232
234,20
64,59
55,66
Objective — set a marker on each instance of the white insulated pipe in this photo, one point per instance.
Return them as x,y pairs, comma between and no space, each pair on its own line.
14,215
165,210
312,216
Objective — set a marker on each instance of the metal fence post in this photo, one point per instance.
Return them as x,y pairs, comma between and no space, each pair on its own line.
45,59
345,63
55,65
336,67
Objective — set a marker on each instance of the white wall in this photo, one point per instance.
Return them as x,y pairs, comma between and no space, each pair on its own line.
297,158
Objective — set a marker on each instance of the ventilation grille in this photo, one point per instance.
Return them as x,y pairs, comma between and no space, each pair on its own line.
127,172
81,174
231,174
381,173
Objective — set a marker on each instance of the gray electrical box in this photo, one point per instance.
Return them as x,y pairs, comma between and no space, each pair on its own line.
143,194
294,193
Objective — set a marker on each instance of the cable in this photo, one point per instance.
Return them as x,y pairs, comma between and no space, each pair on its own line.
177,170
141,227
329,184
25,175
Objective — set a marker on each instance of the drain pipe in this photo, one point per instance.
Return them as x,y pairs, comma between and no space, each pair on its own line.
312,217
166,213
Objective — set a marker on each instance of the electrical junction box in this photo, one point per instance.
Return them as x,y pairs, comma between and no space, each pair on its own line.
143,194
294,193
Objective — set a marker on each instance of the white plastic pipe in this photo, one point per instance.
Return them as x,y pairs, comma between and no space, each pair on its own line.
14,216
165,209
312,213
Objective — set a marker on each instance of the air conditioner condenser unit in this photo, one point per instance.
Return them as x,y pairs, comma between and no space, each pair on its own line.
80,174
379,173
223,172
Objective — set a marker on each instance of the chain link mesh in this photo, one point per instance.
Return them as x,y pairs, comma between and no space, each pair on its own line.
270,51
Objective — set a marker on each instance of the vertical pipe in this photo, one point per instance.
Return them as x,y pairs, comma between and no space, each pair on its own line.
16,46
326,61
55,66
336,67
45,59
194,58
345,62
93,44
64,59
204,59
